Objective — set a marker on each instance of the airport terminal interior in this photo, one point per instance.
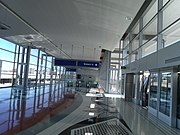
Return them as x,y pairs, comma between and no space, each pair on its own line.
90,67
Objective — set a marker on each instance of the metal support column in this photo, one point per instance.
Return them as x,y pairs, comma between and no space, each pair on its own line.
22,66
140,38
26,71
41,72
52,70
160,25
14,64
37,68
108,70
45,69
173,98
130,47
17,67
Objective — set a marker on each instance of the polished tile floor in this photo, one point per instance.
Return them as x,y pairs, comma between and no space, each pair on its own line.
22,108
18,108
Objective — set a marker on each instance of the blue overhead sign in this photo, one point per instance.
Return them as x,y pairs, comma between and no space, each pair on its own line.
71,69
74,63
64,62
88,64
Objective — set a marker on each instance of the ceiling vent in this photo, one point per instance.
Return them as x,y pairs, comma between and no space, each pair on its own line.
4,26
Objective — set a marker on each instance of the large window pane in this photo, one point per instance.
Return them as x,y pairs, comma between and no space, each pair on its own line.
150,13
48,64
49,58
7,45
135,30
6,73
171,13
171,35
178,98
153,90
135,43
32,74
165,92
126,41
4,55
34,52
33,60
150,31
134,56
149,47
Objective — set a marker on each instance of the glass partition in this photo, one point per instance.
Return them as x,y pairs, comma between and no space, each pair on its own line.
178,97
153,90
150,13
150,31
165,92
135,43
171,13
149,47
171,35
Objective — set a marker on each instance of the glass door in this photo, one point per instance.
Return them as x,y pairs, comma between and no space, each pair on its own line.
152,108
178,101
165,96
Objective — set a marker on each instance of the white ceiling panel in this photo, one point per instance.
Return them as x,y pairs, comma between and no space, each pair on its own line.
88,23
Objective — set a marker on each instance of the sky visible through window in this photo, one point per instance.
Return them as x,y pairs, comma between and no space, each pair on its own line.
8,56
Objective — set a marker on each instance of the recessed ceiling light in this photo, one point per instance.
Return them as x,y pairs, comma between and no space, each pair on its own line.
128,18
92,105
38,46
88,133
91,114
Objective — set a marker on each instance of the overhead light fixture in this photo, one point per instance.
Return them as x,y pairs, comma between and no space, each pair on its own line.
88,133
38,46
4,26
92,105
128,18
91,114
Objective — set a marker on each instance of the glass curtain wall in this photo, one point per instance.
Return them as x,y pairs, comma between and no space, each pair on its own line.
178,97
142,40
7,65
13,64
171,22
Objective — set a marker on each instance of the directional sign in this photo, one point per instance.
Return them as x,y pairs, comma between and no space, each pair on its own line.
74,63
88,64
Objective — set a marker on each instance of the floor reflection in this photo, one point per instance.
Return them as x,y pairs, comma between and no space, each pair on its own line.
101,110
22,108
